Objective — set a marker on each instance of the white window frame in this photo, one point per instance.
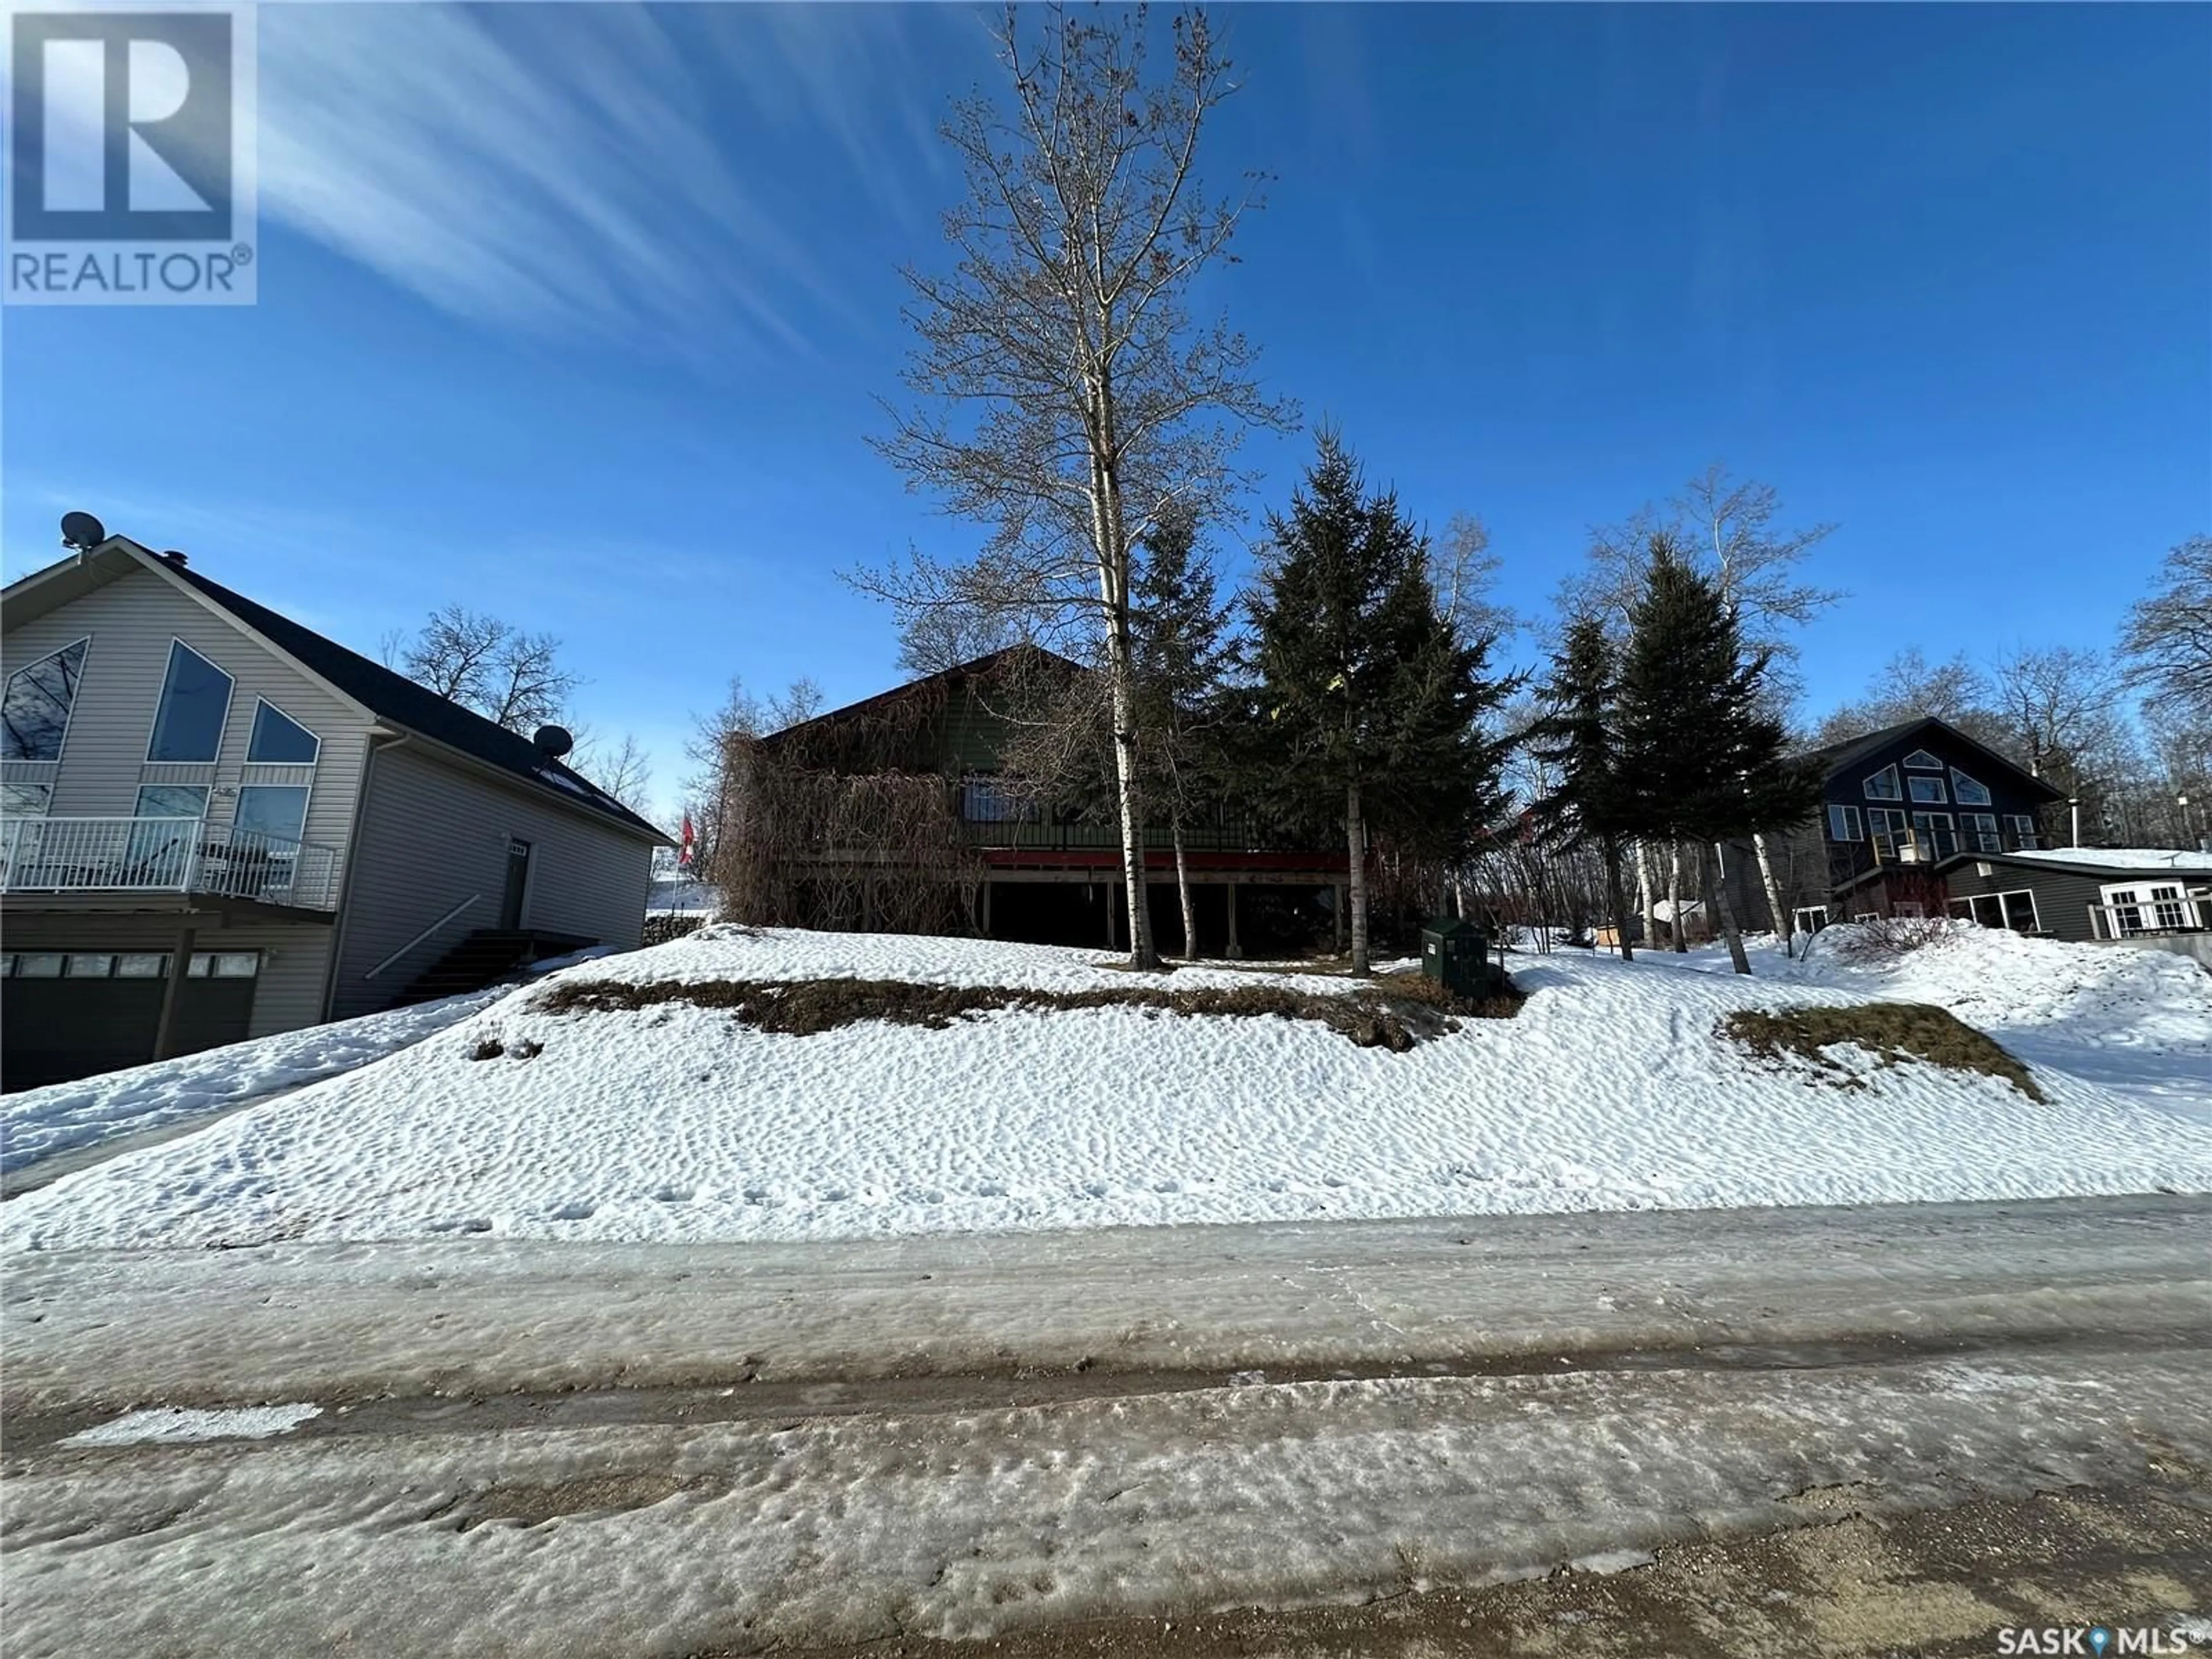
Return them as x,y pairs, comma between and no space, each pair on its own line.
2166,903
1982,833
2026,833
1964,908
1960,783
1846,817
1937,795
69,719
1937,828
1817,913
1920,760
1889,772
316,737
154,726
306,806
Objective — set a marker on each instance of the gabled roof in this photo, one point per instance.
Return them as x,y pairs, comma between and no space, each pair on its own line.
391,697
1835,757
976,668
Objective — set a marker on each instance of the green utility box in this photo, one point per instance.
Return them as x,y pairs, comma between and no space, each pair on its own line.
1457,953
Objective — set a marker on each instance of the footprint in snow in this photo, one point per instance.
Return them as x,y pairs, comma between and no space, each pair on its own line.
574,1212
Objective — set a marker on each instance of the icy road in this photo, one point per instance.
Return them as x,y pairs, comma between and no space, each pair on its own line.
1581,1428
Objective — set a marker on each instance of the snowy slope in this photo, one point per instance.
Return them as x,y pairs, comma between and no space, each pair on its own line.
1609,1091
2137,1022
37,1124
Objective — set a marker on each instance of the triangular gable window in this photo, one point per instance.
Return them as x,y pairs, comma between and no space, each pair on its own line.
1920,760
1967,791
1883,785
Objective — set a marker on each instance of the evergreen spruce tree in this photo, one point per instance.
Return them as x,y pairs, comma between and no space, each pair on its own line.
1368,700
1177,622
1701,761
1577,736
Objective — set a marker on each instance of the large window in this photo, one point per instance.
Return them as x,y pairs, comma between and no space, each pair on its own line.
2149,908
2015,910
195,702
1980,830
172,800
1966,792
2021,827
1883,785
1886,826
1844,823
34,711
278,809
161,851
1935,833
278,739
25,800
1928,790
985,801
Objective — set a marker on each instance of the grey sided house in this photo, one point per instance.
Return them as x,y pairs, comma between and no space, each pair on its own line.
1897,805
219,825
1920,819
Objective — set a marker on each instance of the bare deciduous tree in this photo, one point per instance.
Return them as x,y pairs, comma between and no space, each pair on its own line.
2167,643
1066,397
511,677
939,637
2060,704
624,771
1909,687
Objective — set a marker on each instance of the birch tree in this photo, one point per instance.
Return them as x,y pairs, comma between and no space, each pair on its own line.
1063,393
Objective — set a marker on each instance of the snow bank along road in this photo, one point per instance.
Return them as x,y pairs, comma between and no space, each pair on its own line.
1613,1089
527,1448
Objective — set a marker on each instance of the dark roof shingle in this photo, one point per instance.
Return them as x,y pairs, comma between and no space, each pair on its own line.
394,697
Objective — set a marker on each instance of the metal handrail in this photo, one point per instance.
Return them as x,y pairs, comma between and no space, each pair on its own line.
165,855
473,898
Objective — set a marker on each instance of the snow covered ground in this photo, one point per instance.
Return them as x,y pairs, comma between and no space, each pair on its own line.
39,1124
1610,1091
2138,1023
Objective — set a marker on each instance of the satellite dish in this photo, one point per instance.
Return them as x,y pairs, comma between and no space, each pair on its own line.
553,741
82,530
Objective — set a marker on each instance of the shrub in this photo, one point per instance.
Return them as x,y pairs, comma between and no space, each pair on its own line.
1893,1031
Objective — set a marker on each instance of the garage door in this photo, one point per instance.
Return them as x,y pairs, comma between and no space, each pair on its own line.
71,1014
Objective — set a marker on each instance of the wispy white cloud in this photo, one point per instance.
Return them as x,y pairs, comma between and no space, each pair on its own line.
559,167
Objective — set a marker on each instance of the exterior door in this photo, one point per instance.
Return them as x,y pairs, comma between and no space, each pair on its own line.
518,883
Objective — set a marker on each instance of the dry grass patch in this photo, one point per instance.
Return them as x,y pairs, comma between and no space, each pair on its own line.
1395,1014
1894,1031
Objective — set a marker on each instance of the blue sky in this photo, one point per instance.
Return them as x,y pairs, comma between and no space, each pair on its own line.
578,313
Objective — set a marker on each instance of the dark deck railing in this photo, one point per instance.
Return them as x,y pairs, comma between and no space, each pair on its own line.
1847,860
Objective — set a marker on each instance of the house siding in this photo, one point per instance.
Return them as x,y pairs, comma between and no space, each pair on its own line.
434,833
130,622
1811,868
2063,897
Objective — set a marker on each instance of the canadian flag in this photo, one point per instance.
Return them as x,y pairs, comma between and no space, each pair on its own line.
683,852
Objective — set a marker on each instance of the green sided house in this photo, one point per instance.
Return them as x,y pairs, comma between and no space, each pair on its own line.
219,825
894,814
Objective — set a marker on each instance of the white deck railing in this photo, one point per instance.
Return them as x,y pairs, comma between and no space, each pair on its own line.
164,855
2182,914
